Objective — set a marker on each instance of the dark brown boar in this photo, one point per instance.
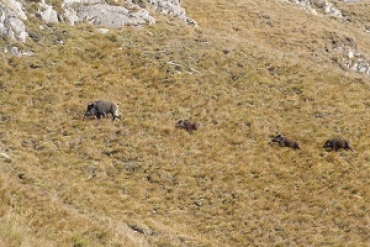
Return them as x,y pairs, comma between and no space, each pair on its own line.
286,142
337,143
188,125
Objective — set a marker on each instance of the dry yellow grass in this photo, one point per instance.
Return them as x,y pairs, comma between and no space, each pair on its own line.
248,72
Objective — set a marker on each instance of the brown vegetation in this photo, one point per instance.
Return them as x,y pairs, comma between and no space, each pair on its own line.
139,182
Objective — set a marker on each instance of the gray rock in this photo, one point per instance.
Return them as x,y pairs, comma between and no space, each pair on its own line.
48,14
11,20
16,8
323,5
173,8
103,30
69,2
71,16
103,14
15,51
96,12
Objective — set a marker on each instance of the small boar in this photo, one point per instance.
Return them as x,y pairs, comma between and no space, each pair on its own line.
102,108
337,143
286,142
188,125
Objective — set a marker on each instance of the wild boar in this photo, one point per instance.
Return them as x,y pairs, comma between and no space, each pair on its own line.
102,108
188,125
337,143
286,142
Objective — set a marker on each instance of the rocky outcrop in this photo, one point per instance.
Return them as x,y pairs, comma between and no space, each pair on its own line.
314,6
47,13
346,53
96,12
11,20
107,15
173,8
100,13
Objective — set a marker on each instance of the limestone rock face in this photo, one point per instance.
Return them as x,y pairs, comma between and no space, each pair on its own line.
15,7
173,8
11,20
48,14
348,55
99,13
322,5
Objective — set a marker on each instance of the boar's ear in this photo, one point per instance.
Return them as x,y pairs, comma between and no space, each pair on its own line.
89,106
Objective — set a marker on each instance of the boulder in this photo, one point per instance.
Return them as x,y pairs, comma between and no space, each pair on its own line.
323,5
173,8
11,20
15,7
47,14
103,14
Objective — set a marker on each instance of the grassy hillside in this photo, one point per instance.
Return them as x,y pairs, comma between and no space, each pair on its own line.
251,70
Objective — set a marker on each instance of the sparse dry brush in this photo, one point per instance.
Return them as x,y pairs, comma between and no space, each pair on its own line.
139,182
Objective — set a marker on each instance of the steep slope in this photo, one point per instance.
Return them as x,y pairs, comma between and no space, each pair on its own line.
249,70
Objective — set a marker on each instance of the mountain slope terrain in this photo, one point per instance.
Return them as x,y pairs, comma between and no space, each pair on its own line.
248,70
